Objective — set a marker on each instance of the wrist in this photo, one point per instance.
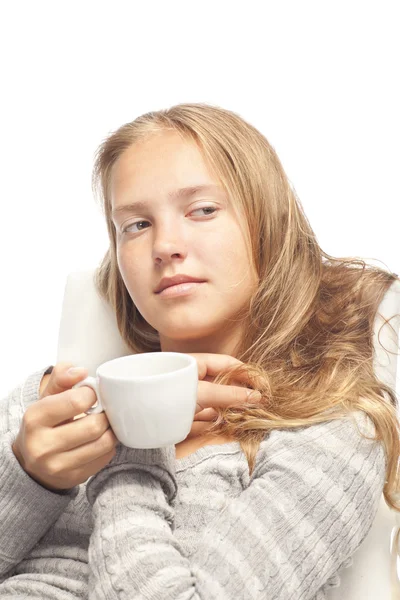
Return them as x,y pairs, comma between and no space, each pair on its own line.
158,463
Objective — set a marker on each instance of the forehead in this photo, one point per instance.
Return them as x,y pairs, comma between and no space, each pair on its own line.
163,156
161,167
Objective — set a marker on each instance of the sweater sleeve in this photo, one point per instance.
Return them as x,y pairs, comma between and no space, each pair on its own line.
311,501
27,509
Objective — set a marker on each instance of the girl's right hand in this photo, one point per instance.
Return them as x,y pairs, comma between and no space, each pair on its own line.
52,446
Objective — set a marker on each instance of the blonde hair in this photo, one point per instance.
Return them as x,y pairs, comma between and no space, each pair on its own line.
307,344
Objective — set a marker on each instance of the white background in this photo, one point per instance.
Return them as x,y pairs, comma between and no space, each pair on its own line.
319,79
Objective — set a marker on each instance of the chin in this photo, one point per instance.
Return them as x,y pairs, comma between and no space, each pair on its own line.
185,332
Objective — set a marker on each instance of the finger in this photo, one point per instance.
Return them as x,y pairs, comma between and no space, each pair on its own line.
211,395
56,409
246,378
60,380
77,433
208,414
213,364
85,470
87,453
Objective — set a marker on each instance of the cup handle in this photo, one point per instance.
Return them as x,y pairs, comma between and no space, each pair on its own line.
92,383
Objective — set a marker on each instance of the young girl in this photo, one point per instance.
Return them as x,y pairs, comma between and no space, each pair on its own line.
294,438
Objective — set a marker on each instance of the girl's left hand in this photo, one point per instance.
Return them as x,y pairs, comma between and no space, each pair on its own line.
211,395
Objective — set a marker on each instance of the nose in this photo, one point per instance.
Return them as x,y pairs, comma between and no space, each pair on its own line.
169,244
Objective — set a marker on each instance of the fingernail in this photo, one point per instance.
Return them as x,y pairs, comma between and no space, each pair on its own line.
73,371
253,395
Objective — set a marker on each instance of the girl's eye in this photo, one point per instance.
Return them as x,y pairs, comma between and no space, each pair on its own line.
207,208
138,223
141,225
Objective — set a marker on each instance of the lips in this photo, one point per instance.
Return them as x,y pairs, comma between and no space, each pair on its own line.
175,280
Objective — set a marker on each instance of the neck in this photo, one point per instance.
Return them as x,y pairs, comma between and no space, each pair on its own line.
226,343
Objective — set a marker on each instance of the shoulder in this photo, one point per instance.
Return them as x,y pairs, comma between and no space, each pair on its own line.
339,446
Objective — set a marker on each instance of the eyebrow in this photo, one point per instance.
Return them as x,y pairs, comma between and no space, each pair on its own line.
181,193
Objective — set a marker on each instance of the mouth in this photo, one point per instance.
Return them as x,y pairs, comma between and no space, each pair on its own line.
167,282
181,289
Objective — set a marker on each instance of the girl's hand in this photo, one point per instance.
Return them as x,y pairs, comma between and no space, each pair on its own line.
54,448
211,395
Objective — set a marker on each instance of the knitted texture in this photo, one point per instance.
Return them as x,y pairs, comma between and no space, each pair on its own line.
148,526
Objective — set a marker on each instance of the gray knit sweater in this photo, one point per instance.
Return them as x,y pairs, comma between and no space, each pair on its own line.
151,526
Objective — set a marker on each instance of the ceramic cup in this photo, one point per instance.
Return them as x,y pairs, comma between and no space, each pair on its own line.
149,398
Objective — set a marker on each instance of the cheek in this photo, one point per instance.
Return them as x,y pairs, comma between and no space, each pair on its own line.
133,272
130,263
235,256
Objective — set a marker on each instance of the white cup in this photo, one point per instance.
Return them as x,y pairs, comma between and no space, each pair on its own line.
149,399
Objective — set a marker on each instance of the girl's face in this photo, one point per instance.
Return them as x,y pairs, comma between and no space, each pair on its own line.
165,228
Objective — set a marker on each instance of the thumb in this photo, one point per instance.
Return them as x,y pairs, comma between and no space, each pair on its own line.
62,378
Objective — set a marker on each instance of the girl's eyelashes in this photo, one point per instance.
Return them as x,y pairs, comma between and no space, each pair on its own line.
213,208
125,229
139,224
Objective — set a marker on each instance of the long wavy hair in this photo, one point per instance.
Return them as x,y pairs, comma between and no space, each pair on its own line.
307,344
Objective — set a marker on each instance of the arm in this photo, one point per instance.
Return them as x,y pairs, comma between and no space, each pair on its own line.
27,510
310,503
